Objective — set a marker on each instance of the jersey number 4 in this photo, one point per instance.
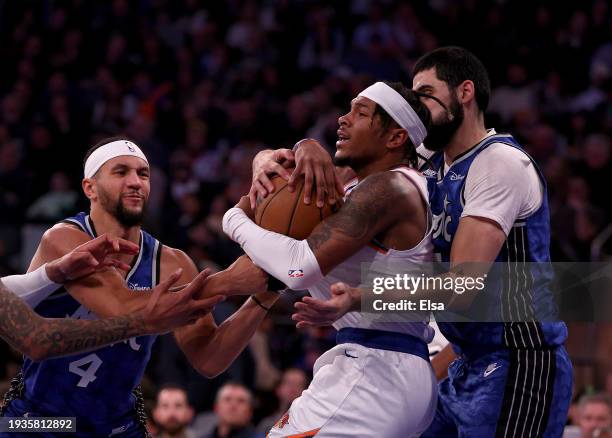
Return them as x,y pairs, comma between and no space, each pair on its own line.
86,368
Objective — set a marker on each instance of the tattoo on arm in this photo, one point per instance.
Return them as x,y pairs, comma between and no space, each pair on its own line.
368,211
41,338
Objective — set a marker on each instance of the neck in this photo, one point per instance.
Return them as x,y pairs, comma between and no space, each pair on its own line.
471,131
387,162
177,434
223,430
105,223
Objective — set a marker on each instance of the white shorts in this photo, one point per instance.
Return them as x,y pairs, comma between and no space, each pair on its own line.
363,392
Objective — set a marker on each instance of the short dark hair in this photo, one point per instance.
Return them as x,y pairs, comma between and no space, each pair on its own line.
235,384
419,108
172,387
600,397
454,65
102,142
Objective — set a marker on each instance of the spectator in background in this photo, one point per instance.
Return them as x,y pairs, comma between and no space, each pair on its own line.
173,413
60,201
232,416
293,382
595,416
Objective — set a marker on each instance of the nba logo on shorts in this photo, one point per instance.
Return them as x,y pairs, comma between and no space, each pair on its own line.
296,273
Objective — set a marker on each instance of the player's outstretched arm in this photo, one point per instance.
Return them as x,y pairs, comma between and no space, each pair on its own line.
335,239
210,348
104,291
42,338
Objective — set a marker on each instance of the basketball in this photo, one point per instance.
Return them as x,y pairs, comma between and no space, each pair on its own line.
286,213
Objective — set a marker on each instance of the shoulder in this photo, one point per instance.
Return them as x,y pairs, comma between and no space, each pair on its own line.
173,259
501,155
62,238
383,193
385,186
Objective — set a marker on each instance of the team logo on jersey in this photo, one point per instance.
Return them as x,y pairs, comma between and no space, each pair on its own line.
296,273
455,176
284,420
429,173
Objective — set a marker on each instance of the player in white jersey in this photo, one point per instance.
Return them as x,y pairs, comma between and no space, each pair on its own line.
378,380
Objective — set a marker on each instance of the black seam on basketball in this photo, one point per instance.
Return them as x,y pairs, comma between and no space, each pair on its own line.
266,206
299,194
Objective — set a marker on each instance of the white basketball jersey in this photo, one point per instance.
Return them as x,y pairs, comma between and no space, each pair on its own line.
350,272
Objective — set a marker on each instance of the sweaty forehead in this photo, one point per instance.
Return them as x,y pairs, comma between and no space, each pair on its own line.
128,161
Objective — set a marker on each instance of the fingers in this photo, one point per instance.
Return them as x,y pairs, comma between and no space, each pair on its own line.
253,197
197,284
330,184
263,179
125,246
319,174
339,288
308,180
165,285
279,170
281,155
314,304
260,189
116,264
297,173
206,305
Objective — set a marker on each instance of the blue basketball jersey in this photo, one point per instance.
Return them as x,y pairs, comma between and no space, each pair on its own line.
96,387
516,297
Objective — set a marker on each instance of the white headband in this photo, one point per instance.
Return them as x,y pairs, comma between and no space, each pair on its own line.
399,110
109,151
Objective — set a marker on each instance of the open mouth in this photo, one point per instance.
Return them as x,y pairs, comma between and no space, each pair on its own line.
342,138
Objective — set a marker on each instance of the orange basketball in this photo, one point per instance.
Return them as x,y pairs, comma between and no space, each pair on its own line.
285,212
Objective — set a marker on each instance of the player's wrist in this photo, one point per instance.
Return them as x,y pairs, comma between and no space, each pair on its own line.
54,272
220,283
266,299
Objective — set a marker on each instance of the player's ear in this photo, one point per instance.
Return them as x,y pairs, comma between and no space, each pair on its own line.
397,138
89,188
465,91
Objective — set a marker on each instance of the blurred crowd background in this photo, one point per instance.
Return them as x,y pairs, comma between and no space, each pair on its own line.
203,86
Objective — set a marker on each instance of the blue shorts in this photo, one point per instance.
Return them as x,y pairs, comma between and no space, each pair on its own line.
506,393
128,428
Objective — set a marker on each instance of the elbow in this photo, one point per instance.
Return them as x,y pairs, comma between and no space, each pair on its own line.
211,370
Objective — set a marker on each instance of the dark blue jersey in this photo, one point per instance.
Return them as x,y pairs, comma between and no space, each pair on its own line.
515,296
96,387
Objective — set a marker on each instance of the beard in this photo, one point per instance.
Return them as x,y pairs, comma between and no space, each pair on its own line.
124,216
441,131
173,426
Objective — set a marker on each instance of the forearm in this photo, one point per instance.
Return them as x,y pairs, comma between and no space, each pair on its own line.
42,338
212,351
108,300
32,287
276,254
